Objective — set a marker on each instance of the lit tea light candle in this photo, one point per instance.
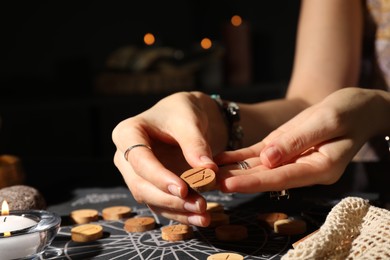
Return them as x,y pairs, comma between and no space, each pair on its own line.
25,234
11,223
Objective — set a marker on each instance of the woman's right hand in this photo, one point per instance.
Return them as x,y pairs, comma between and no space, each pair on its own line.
312,148
184,130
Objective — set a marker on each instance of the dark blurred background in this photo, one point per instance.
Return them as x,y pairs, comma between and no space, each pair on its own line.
60,97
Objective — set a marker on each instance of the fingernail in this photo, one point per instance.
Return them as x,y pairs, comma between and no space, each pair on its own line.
174,190
206,160
271,155
192,207
195,220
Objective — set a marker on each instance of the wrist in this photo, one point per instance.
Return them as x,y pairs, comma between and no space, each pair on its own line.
381,111
231,114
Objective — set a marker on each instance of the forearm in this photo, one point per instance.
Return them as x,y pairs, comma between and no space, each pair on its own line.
327,59
382,112
386,117
328,48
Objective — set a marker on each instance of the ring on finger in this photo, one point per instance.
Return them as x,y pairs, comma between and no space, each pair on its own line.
243,165
126,153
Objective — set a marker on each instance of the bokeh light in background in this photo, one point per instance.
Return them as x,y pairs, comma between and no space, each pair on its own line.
236,20
149,39
206,43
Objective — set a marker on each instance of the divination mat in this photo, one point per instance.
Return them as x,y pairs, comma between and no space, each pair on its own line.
116,243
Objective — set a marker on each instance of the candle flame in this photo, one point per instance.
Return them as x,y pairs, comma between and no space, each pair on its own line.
4,212
236,20
4,208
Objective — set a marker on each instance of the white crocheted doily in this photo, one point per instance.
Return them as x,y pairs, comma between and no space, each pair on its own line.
353,229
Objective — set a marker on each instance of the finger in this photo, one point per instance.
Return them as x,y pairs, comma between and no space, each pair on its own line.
193,203
231,157
239,167
143,162
310,168
200,220
196,149
292,140
188,128
281,178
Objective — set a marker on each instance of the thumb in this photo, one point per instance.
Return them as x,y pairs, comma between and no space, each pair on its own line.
287,145
196,150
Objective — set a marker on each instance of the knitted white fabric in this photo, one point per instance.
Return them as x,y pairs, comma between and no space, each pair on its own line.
353,229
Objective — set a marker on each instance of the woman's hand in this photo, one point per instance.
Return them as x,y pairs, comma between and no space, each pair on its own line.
312,148
183,130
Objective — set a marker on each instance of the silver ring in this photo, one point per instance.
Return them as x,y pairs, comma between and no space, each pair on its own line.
134,146
243,165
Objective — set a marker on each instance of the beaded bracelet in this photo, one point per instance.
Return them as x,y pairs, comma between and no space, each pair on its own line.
231,114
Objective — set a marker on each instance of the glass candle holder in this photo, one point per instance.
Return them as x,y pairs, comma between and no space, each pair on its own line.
26,234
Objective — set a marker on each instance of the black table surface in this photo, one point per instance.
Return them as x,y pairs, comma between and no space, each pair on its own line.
70,185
